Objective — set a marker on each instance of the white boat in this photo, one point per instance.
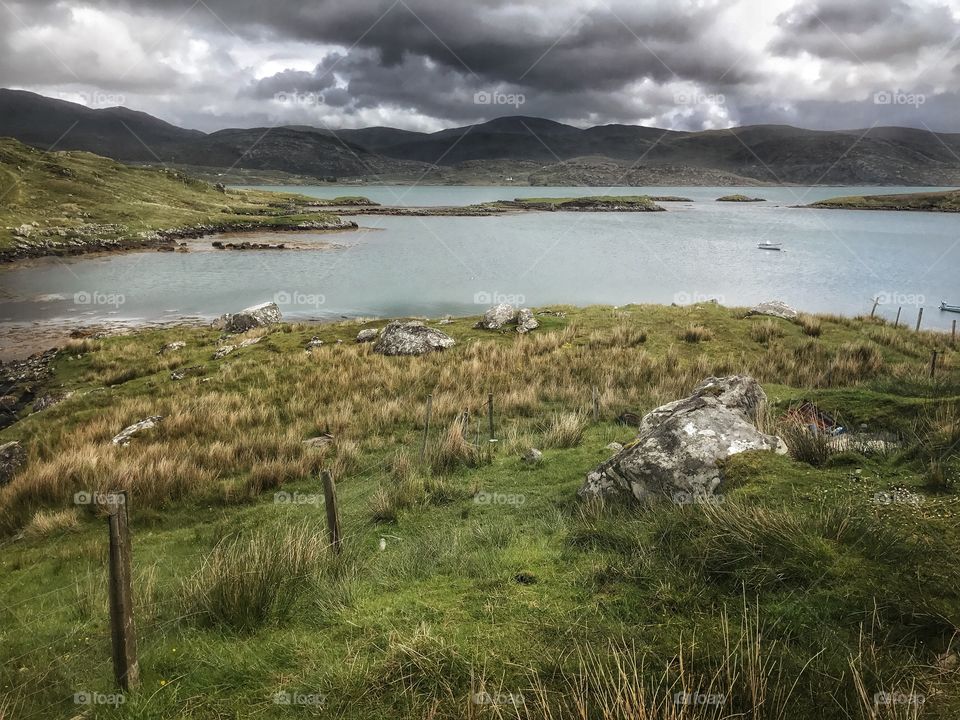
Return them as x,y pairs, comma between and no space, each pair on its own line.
767,245
949,308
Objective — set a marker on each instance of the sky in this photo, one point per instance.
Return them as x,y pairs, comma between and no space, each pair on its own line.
431,64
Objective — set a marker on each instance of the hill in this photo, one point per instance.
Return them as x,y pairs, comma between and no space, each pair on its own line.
74,201
766,154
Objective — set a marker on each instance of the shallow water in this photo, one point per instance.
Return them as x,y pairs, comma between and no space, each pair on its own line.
833,261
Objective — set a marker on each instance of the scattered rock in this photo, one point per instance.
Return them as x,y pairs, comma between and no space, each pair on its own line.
181,373
220,187
249,341
314,343
172,347
319,441
224,351
257,316
526,321
774,308
125,435
12,458
679,444
615,446
411,338
532,456
368,335
498,316
49,400
629,418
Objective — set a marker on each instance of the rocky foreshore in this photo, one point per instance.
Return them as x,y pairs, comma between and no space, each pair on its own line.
34,242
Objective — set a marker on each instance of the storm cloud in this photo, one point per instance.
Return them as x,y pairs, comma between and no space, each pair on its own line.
430,64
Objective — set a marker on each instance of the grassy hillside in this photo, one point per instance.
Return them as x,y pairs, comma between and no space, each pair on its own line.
483,589
948,201
76,197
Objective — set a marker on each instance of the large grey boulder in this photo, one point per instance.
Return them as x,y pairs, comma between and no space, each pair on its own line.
679,444
411,338
774,308
12,458
367,335
257,316
499,316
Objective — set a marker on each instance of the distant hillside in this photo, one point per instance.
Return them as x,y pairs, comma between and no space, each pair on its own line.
74,201
558,153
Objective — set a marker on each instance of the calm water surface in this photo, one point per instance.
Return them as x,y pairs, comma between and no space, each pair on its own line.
833,261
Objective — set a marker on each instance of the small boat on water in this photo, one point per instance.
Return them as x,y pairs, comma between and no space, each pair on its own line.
767,245
949,308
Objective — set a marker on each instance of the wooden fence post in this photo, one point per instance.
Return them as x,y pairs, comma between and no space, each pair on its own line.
897,321
333,514
490,415
426,428
126,667
933,364
919,318
596,404
876,301
953,332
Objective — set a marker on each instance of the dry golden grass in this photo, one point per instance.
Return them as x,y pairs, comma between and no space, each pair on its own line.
696,333
45,523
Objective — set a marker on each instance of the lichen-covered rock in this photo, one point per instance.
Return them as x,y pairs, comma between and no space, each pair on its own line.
223,351
12,458
679,444
774,308
411,338
532,456
368,335
315,342
497,316
526,321
172,347
257,316
127,434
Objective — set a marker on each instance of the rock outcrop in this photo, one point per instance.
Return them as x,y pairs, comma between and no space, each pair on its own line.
127,434
368,335
12,458
411,338
499,316
679,444
774,308
257,316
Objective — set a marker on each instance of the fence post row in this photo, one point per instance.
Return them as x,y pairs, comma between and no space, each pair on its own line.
333,514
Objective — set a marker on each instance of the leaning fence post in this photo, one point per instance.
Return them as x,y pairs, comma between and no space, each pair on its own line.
333,514
919,318
876,301
126,667
426,428
897,321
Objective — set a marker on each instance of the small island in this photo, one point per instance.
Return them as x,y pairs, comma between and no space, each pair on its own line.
940,201
740,199
595,203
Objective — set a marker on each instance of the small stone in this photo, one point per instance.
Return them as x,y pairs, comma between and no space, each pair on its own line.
315,342
615,447
171,347
224,351
532,456
125,435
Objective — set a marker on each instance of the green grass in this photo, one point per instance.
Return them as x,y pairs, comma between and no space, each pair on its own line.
578,203
795,590
78,195
944,201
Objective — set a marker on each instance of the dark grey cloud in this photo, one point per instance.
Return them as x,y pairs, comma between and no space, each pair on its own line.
685,64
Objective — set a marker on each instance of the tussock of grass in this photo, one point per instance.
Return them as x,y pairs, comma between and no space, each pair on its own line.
766,330
247,581
696,333
564,430
46,523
